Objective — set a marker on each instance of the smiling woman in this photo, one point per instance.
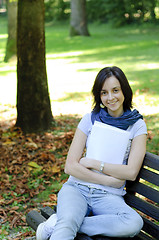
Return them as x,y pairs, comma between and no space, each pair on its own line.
111,88
97,184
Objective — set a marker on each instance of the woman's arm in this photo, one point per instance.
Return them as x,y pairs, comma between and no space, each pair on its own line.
75,168
126,172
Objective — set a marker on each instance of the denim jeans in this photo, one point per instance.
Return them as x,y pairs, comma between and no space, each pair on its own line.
110,215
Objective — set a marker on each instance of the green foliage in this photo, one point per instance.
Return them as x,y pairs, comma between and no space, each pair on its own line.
97,11
121,12
57,10
117,12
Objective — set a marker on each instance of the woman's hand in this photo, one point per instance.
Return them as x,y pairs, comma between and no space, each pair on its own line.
95,164
86,162
81,167
90,163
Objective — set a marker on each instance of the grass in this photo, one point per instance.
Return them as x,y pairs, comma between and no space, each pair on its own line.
72,63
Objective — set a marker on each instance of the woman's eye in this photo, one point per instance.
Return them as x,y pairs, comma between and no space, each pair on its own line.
116,90
103,93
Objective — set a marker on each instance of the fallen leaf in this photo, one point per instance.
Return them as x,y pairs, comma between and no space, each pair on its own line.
34,165
31,145
55,169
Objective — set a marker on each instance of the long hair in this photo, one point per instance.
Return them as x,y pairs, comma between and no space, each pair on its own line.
101,77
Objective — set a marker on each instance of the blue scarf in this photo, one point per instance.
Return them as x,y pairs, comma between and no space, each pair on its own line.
123,122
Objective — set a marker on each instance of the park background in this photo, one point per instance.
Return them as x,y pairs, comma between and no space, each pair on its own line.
72,64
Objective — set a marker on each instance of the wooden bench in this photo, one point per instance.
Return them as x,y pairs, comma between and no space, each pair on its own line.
142,194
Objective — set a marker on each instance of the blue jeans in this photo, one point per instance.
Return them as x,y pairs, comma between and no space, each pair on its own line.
110,215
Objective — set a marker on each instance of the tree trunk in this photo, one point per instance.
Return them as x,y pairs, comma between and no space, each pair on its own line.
33,102
11,48
78,20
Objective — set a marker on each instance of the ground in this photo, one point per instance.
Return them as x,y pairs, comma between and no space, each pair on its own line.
31,170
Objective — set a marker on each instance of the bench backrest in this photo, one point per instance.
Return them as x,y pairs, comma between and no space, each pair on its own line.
143,195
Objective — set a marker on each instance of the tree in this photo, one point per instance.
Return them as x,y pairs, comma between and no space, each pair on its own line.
33,103
11,48
78,20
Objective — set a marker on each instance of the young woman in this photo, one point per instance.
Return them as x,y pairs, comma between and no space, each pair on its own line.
95,187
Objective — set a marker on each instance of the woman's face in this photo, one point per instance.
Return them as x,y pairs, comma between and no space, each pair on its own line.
112,96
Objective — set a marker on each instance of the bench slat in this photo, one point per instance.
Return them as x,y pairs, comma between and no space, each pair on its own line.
140,236
143,236
82,237
143,206
149,176
143,190
151,228
151,160
98,237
